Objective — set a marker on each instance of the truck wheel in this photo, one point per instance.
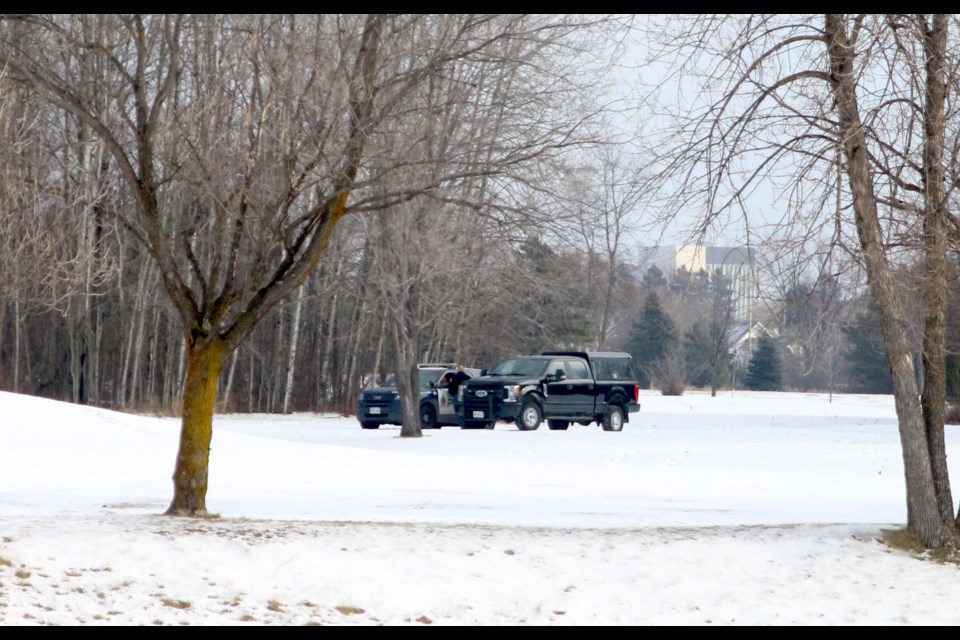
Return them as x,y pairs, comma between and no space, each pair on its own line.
428,417
530,416
489,426
558,425
613,419
370,425
473,424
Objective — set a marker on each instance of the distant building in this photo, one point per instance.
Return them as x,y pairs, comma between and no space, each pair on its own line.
743,339
736,263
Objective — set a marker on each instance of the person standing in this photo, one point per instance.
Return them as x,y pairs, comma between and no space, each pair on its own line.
455,381
453,389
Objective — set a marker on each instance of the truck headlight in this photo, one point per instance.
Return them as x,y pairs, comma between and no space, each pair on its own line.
511,393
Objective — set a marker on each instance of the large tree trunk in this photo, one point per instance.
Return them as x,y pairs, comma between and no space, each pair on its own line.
923,515
204,363
407,373
408,388
935,294
3,321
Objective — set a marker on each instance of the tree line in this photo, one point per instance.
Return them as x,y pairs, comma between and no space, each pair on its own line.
811,336
180,184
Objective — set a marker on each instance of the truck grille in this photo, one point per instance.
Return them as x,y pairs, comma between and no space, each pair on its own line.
486,399
377,399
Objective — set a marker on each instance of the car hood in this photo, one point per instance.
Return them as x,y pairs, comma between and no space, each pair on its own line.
387,391
379,390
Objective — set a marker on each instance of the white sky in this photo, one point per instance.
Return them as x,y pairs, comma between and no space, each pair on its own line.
744,509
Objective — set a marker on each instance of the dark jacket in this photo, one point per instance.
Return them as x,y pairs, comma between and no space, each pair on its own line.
458,377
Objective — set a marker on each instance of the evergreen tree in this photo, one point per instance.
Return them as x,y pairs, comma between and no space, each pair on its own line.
697,351
953,377
654,278
867,367
706,349
707,342
763,372
555,313
953,336
653,336
809,323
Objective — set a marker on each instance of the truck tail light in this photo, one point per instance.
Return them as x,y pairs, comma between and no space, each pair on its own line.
636,393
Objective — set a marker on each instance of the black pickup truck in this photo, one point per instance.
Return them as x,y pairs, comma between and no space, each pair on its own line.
559,386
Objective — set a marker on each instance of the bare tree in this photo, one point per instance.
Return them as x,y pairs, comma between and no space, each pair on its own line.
606,199
47,258
244,140
779,95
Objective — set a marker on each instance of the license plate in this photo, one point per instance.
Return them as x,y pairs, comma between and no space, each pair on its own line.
374,410
478,414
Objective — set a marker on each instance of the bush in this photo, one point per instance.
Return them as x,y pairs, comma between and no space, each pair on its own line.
673,388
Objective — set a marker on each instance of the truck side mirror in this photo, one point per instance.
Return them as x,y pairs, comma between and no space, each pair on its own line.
556,376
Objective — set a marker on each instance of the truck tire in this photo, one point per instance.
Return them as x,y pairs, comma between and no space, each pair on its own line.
558,425
428,416
613,418
474,424
530,416
370,425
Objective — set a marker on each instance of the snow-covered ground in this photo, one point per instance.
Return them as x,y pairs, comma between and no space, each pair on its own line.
744,509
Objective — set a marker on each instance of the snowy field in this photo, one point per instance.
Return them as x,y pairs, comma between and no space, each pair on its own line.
744,509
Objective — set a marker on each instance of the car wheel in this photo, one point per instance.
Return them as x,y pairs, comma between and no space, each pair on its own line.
428,417
530,416
613,419
370,425
558,425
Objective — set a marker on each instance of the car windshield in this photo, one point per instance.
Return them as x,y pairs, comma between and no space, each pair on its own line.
527,367
427,376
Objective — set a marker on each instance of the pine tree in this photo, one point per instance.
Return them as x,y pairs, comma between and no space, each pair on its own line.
706,348
763,372
697,351
558,314
867,366
654,278
654,335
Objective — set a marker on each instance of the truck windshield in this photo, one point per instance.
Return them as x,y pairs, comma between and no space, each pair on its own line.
427,376
527,367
